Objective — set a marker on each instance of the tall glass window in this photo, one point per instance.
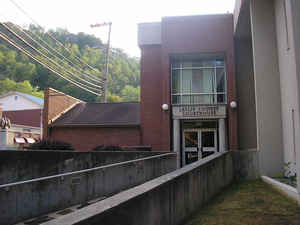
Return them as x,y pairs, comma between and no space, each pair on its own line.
199,82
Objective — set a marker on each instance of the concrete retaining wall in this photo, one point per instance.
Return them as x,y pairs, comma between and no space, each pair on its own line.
23,200
246,164
167,200
24,165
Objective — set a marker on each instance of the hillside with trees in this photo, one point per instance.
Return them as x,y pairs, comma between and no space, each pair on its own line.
19,73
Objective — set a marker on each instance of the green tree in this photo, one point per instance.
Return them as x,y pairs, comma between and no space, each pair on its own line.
8,85
130,94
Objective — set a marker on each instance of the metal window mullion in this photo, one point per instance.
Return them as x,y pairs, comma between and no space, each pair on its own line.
181,84
172,84
215,86
225,80
199,68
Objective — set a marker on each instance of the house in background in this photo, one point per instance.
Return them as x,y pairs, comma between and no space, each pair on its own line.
14,101
25,113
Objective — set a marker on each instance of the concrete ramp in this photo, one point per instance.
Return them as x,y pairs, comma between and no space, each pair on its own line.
166,200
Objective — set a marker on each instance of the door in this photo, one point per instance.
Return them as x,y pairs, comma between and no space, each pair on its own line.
209,140
191,146
198,141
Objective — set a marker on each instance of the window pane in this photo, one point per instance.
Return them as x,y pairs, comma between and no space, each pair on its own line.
197,81
207,84
176,99
203,99
192,124
186,99
175,65
176,81
208,138
191,139
220,62
220,80
187,64
208,63
187,76
221,98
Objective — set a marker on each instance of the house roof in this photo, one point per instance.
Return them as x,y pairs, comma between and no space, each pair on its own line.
30,117
101,114
34,99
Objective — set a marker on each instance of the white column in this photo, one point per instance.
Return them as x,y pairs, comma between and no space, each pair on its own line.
176,140
222,136
3,139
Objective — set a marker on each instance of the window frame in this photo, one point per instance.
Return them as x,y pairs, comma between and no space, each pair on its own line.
214,95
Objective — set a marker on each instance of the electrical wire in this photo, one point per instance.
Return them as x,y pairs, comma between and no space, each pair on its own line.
52,61
73,69
30,35
53,38
54,50
76,83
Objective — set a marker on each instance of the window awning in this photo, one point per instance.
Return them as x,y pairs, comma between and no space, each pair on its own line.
19,140
30,140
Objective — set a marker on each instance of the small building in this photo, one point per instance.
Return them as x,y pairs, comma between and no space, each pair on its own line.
13,101
25,113
88,125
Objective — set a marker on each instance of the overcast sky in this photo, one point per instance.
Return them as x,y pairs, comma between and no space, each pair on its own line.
77,16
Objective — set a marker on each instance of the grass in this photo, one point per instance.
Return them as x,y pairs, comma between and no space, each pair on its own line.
248,203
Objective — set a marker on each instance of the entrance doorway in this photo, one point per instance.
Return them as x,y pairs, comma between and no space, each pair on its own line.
199,143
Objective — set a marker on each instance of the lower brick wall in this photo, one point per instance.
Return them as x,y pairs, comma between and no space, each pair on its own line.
87,138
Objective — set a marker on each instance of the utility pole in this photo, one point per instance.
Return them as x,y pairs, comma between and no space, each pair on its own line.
104,97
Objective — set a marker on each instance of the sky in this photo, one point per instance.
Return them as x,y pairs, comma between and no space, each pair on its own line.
77,16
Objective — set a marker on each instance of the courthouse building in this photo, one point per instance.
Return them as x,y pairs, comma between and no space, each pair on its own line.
209,83
188,87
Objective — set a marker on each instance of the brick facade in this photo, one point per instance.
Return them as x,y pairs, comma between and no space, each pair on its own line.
179,36
55,103
87,138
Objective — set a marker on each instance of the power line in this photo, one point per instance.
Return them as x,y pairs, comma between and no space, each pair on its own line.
76,83
53,38
73,65
73,69
52,61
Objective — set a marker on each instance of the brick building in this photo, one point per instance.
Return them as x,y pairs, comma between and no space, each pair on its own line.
88,125
187,64
187,85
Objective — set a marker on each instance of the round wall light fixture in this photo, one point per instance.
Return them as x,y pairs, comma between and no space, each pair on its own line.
233,104
165,107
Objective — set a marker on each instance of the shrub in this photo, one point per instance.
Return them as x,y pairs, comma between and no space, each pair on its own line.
107,148
51,145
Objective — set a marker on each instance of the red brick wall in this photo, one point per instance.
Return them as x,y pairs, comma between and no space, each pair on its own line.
55,103
87,138
182,35
155,130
